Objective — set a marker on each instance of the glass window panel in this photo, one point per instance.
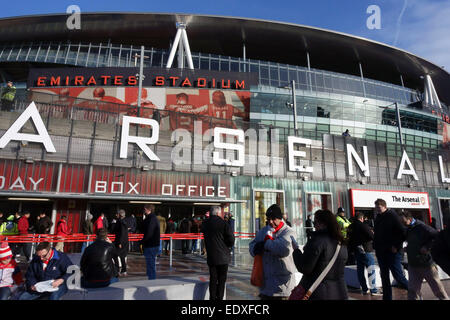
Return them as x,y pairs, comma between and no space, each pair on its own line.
255,68
264,72
274,73
224,66
214,64
234,66
283,74
293,75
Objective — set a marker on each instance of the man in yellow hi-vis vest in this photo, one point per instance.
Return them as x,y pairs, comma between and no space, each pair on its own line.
7,96
342,221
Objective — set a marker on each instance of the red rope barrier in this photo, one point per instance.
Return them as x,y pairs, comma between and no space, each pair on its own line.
79,237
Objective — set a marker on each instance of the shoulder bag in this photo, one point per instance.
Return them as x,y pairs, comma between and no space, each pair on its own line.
299,293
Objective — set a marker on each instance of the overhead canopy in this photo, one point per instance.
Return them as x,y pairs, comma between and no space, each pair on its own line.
264,40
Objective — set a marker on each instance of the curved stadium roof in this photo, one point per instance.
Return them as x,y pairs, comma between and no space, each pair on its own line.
264,40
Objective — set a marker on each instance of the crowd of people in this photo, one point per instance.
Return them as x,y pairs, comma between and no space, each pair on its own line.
333,241
363,239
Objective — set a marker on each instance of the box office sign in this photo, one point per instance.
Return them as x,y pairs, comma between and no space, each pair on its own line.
114,181
394,199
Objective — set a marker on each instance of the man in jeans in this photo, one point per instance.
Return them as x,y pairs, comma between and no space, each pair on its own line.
389,234
420,263
150,240
360,241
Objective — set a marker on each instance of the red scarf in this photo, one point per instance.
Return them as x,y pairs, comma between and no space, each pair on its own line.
45,262
275,231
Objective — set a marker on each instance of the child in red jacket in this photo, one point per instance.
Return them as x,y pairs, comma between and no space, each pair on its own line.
10,273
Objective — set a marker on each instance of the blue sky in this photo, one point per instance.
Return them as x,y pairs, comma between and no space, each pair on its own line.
419,26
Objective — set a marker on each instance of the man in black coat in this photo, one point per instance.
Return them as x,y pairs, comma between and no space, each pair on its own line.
389,234
420,263
360,241
43,224
218,241
97,263
121,242
440,250
150,241
185,227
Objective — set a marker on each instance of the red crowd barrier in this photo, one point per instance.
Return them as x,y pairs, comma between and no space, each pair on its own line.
79,237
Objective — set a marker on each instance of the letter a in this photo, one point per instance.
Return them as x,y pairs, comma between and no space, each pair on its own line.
374,21
13,132
74,20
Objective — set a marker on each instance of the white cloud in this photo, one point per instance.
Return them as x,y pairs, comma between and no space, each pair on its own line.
425,30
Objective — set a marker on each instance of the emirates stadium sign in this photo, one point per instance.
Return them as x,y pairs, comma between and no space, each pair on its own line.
125,77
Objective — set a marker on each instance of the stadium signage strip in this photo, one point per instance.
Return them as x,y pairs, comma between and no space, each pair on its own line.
31,112
41,178
158,77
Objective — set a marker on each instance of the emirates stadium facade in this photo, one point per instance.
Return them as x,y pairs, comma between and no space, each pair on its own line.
214,121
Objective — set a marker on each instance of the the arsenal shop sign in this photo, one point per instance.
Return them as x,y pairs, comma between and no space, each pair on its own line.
158,77
394,199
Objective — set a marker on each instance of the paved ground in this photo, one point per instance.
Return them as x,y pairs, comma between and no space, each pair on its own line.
238,282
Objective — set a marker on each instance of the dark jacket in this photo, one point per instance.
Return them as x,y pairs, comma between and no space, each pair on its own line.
419,235
440,250
56,269
88,226
121,234
97,261
170,228
43,225
150,228
218,240
389,232
130,221
317,253
185,226
360,236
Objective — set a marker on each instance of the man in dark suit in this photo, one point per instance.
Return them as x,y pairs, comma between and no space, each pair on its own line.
150,241
218,241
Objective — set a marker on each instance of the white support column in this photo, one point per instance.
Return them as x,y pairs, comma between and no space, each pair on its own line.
184,46
174,49
431,96
188,50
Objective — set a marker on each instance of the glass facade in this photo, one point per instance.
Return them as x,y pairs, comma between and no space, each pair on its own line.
328,103
270,74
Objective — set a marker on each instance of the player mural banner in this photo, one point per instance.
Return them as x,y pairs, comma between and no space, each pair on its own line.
172,107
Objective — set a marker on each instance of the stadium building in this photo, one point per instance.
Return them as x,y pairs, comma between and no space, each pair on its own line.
237,112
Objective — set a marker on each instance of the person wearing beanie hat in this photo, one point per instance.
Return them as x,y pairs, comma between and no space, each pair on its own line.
276,242
10,273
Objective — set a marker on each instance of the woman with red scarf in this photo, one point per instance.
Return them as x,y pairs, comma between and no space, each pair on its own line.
276,242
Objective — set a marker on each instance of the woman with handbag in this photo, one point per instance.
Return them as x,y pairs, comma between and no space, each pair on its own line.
322,262
275,243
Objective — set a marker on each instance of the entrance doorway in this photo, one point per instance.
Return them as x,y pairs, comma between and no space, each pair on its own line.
177,211
34,207
263,199
445,212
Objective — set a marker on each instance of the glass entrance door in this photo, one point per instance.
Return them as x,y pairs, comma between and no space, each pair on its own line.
262,201
445,210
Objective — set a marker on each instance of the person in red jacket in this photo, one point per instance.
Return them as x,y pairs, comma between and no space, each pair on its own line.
62,230
23,226
100,223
